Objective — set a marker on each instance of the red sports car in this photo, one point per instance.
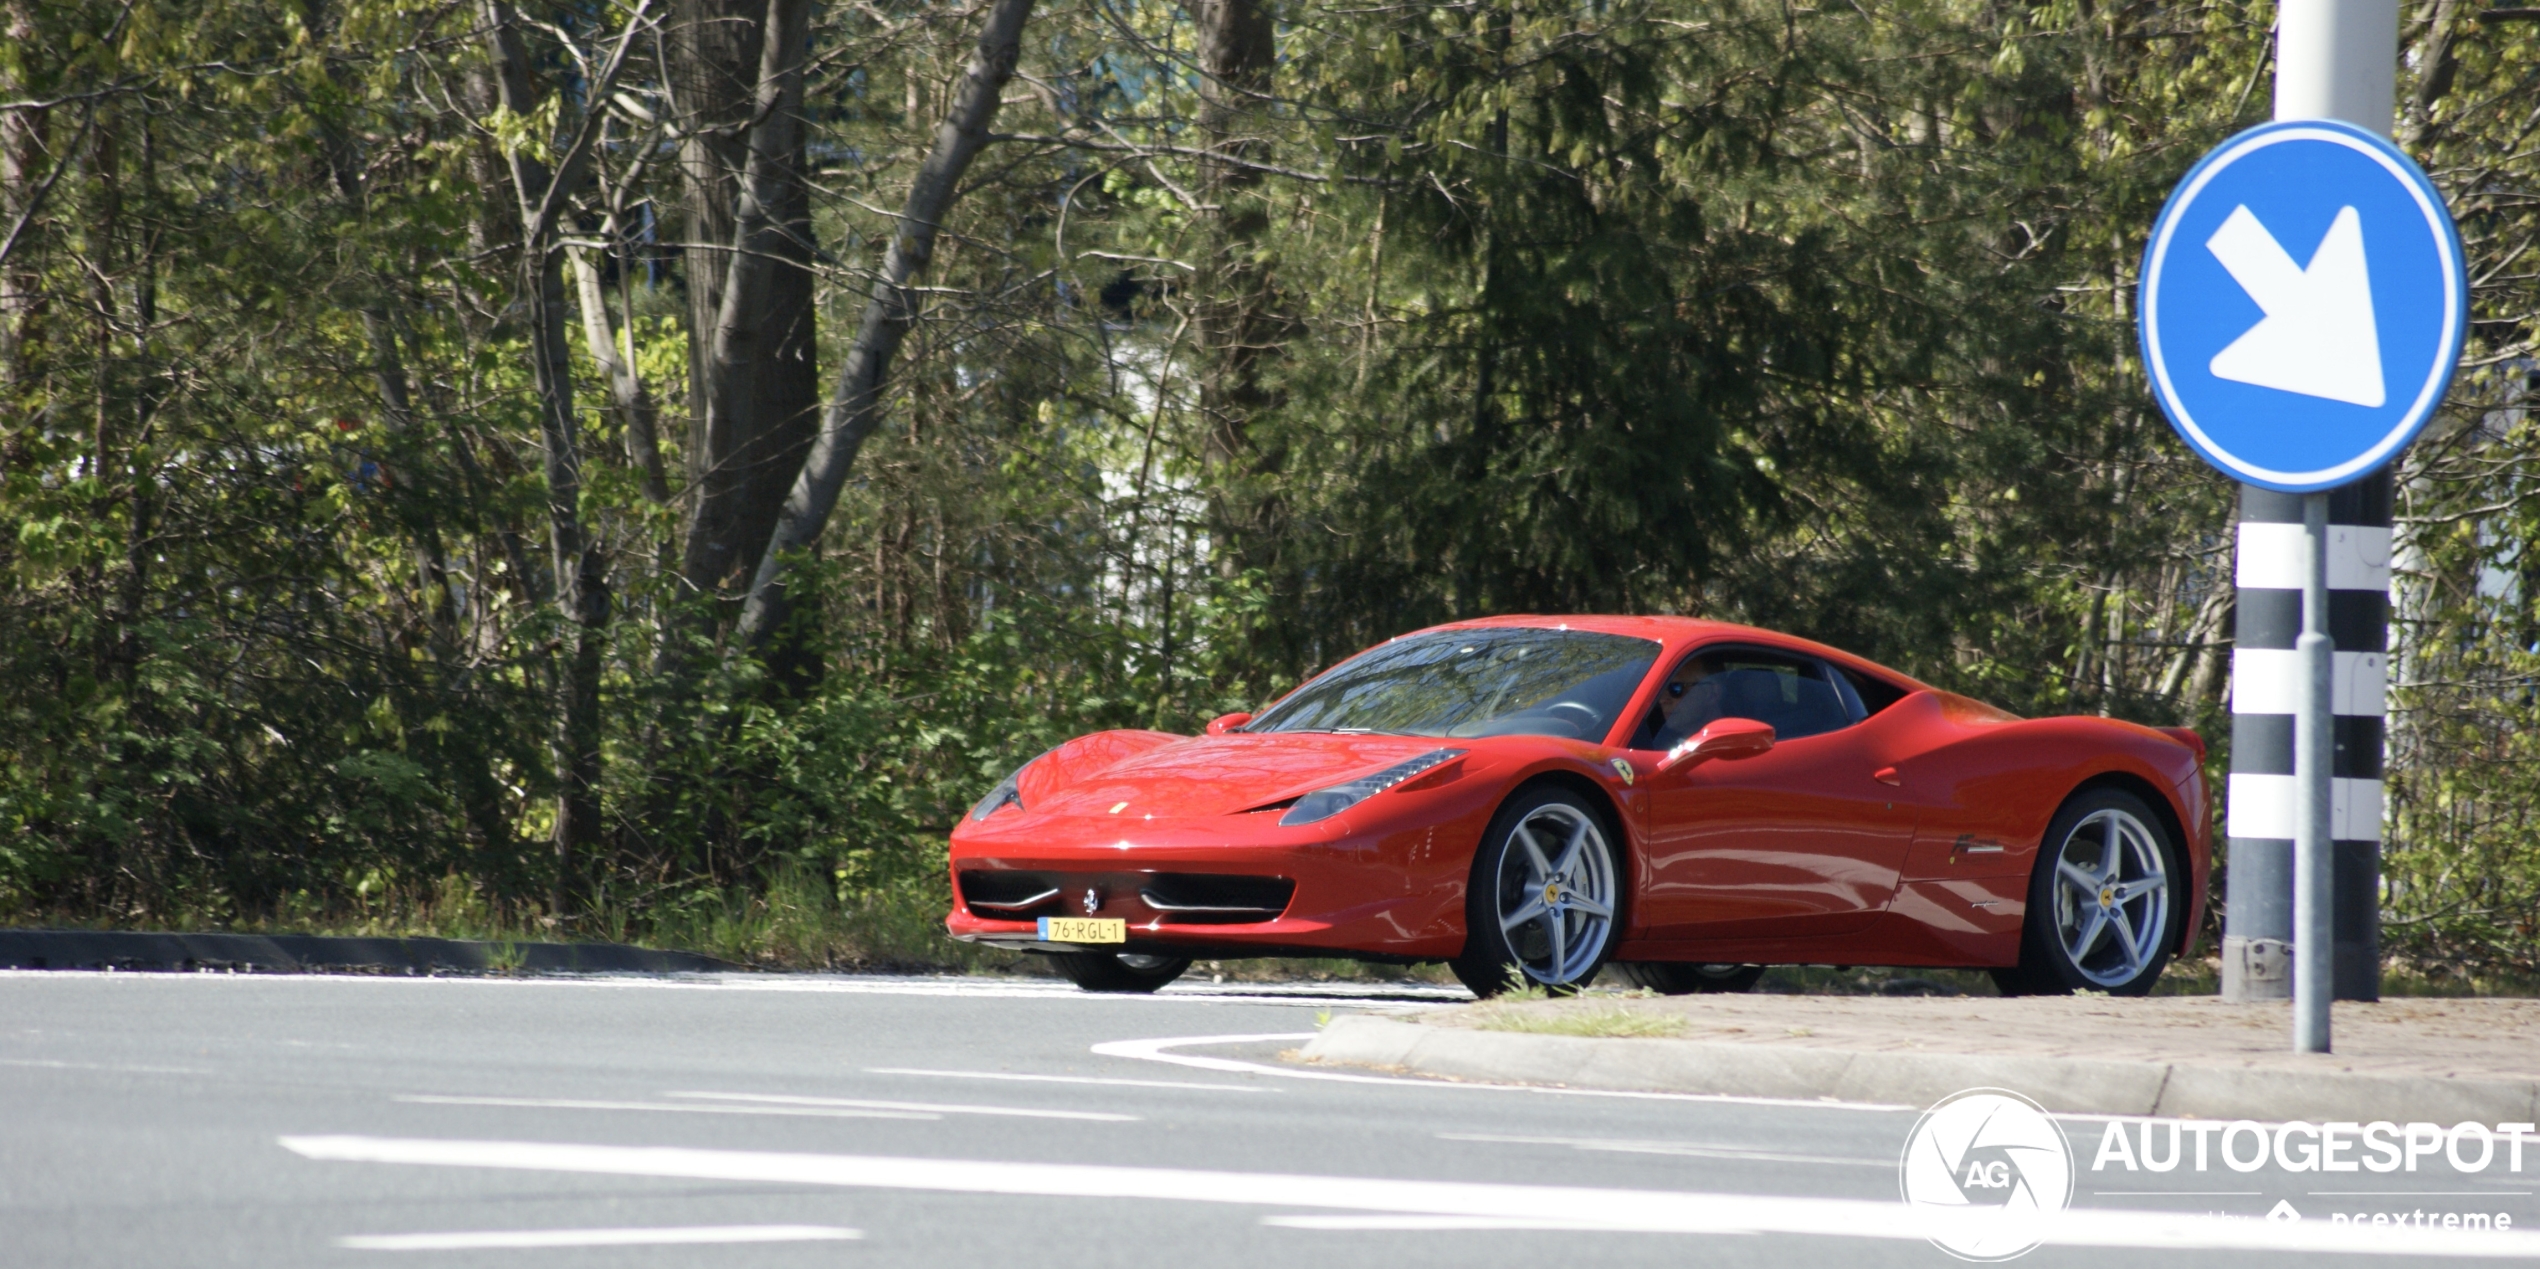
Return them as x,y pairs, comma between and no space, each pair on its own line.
1531,798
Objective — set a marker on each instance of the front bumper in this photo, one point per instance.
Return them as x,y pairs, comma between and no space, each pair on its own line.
1185,890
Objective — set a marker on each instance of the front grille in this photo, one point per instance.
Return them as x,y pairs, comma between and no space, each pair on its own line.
1010,896
1192,898
1175,898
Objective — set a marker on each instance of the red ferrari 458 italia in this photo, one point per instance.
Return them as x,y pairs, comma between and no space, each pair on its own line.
1535,798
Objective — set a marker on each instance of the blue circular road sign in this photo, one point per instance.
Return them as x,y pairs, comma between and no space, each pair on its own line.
2303,304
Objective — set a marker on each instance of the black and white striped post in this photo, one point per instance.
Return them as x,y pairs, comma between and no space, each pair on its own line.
2263,809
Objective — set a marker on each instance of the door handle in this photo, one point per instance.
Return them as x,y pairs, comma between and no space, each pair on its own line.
1887,775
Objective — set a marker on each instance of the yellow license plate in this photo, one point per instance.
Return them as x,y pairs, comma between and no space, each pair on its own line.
1084,930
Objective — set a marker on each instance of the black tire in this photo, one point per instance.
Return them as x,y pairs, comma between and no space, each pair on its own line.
1687,980
2125,923
1506,881
1118,971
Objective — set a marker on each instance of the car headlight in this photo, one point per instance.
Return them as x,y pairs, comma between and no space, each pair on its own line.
1007,793
1323,804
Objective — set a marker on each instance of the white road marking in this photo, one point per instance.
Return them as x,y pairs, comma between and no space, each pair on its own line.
930,1109
1653,1211
1062,1079
122,1068
514,1238
576,1103
1154,1051
1692,1149
1425,1224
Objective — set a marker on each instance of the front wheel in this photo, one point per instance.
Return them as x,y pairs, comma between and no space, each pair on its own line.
1118,971
1544,897
1686,980
2103,902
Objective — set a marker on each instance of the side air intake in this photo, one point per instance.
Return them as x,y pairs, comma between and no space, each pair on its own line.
1191,898
1009,896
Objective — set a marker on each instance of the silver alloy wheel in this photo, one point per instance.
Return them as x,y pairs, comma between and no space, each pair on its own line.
2112,896
1556,894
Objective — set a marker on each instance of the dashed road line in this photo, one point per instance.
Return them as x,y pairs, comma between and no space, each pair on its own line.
930,1108
513,1239
578,1103
1021,1077
1691,1149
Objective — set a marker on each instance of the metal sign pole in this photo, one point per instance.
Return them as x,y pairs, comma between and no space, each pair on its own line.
2314,755
2335,59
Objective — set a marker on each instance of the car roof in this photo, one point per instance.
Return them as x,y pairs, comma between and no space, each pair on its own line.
1680,634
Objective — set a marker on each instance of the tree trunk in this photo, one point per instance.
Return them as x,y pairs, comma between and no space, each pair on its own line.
753,412
23,143
890,309
2437,63
579,566
1236,313
626,386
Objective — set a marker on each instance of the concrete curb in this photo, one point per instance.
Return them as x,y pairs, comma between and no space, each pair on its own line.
1882,1077
308,953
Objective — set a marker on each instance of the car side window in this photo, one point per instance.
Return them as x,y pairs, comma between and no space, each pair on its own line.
1798,695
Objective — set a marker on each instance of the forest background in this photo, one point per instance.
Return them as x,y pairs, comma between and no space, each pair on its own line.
399,400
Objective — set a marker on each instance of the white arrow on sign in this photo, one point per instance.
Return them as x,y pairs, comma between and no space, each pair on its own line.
2317,337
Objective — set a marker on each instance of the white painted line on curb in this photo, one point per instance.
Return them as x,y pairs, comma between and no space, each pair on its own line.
1062,1079
496,1239
929,1109
1652,1211
575,1103
1154,1051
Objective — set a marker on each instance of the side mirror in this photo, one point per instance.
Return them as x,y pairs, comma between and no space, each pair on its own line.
1224,723
1730,738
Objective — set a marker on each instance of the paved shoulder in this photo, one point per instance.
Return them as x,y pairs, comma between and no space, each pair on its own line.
2441,1061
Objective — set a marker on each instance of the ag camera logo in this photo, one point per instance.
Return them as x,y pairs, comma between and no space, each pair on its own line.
1989,1171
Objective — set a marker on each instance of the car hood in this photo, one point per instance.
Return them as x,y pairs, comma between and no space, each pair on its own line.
1206,775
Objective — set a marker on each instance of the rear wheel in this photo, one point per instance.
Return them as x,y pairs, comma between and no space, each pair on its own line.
2103,902
1545,894
1686,980
1118,971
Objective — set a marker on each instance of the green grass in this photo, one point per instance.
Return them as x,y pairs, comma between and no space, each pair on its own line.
797,922
1596,1020
2398,980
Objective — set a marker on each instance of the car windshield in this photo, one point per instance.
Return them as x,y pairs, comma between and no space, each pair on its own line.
1493,682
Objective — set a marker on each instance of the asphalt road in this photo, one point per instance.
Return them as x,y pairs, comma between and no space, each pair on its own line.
176,1120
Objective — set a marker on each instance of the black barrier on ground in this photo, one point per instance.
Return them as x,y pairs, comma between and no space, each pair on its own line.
309,953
